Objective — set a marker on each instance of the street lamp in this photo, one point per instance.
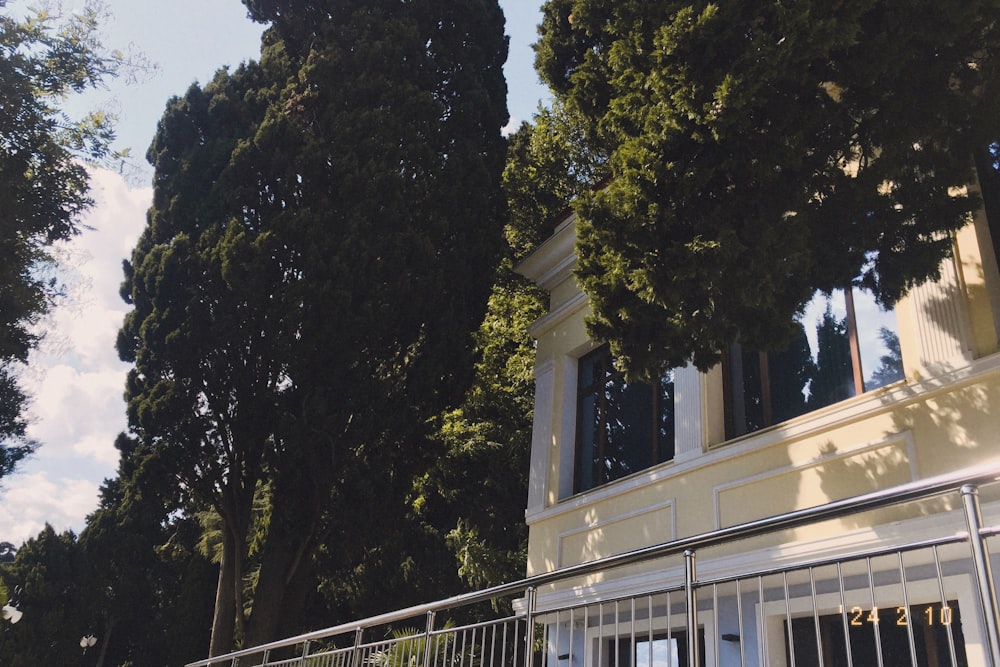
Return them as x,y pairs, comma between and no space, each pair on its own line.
87,641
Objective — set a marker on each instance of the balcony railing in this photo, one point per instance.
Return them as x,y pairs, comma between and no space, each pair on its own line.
924,602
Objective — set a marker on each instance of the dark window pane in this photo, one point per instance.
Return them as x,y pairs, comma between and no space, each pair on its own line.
845,344
622,427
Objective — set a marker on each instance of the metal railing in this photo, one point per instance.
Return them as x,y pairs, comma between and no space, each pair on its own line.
931,602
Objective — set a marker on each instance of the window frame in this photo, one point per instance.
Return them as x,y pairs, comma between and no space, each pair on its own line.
733,376
659,450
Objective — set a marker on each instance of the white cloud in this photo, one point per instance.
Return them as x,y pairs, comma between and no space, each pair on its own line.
32,500
76,380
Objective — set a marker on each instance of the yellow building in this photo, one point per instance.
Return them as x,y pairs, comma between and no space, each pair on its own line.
905,396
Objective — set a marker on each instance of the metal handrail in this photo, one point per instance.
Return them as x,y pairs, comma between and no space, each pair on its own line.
985,473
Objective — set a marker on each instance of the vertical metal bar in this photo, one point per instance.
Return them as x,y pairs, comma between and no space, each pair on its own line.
631,632
906,610
428,636
873,613
649,629
572,627
267,654
716,639
529,632
465,642
944,603
815,608
691,599
739,621
617,635
305,652
600,634
788,620
356,651
670,637
557,640
762,643
506,645
843,616
984,575
483,647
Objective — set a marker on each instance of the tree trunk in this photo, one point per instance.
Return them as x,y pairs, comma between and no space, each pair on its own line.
104,641
286,570
223,620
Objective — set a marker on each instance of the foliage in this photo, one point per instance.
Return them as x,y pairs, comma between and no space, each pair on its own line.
764,150
51,571
550,164
309,281
408,647
43,183
474,494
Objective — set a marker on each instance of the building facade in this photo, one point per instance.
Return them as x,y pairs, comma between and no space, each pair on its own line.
862,401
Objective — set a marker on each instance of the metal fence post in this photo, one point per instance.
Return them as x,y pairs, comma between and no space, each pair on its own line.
984,575
529,631
691,599
428,634
305,652
356,651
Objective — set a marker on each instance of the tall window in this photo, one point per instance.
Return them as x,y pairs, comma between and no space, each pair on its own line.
622,427
846,345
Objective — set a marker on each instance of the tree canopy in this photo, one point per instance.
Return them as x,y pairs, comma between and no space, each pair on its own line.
43,183
761,151
319,253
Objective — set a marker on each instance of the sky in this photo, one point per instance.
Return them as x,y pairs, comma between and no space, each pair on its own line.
75,379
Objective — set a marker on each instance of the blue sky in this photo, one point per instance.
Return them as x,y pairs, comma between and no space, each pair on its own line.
75,378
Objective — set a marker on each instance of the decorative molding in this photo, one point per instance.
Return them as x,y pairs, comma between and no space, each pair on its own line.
553,260
904,438
564,311
669,505
854,409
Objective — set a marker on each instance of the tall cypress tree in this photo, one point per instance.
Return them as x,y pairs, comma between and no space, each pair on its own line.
341,244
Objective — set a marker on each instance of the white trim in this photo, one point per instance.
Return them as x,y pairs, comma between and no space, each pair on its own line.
842,544
552,262
865,406
546,323
542,443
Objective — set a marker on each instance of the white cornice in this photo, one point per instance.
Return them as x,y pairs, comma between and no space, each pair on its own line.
553,261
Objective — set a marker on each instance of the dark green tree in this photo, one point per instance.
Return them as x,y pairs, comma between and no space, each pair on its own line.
890,366
310,281
136,553
473,496
763,150
51,571
43,183
140,555
206,334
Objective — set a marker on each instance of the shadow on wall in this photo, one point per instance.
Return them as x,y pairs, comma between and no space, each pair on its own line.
949,429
